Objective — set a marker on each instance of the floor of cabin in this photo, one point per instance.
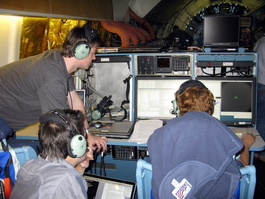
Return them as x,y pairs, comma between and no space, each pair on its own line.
259,163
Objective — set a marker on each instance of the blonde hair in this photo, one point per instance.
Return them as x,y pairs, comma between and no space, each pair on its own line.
195,99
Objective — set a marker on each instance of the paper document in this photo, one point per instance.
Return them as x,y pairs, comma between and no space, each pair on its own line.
143,129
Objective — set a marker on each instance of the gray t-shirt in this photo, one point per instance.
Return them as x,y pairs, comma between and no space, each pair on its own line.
32,86
40,178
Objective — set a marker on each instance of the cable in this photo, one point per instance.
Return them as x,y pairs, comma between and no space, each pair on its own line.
94,163
216,74
127,82
102,164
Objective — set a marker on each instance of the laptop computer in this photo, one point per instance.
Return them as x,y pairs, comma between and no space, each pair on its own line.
102,187
112,129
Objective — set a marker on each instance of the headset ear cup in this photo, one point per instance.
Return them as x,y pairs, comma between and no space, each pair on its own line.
82,51
77,146
97,114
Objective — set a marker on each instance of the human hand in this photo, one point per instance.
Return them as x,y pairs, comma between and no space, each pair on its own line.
97,143
248,139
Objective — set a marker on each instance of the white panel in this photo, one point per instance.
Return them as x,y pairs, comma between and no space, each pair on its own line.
10,38
141,8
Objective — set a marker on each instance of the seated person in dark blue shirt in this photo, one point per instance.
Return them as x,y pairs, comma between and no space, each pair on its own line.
193,154
57,172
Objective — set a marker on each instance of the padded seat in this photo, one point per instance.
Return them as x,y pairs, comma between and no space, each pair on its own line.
23,153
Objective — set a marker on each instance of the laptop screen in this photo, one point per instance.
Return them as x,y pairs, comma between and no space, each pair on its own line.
101,187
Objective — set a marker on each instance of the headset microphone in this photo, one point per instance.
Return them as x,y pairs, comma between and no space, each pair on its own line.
175,110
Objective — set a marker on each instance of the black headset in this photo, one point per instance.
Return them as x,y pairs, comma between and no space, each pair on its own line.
77,145
82,48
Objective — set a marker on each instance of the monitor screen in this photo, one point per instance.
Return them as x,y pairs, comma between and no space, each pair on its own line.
154,96
221,31
101,187
82,94
234,99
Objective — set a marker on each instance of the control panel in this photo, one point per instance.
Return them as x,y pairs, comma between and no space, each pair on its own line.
127,152
146,64
225,64
177,64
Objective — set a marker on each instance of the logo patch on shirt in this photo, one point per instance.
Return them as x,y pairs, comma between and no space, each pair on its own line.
181,189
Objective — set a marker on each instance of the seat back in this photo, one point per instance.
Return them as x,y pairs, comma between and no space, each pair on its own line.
144,177
247,182
23,153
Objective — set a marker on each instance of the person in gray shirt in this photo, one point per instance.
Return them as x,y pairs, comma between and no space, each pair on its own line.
32,86
64,156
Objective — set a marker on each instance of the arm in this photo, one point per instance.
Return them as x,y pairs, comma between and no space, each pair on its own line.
71,186
248,140
76,103
94,142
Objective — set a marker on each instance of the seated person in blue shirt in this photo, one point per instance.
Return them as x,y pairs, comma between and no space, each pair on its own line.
64,156
193,154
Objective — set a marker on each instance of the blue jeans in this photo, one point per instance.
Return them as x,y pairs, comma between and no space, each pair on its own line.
261,110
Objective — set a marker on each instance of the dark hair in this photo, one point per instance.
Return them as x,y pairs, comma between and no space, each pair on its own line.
195,99
77,36
54,138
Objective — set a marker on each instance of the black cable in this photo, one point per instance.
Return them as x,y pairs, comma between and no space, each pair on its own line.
216,74
127,82
100,171
102,167
95,154
101,163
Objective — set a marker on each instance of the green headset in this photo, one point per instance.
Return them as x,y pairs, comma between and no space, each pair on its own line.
77,145
83,48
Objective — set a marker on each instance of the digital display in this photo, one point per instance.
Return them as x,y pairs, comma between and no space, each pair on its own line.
234,100
163,64
221,31
154,96
236,96
106,187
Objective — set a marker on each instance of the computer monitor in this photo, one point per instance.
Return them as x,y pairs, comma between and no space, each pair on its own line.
154,96
102,187
235,99
220,31
82,94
